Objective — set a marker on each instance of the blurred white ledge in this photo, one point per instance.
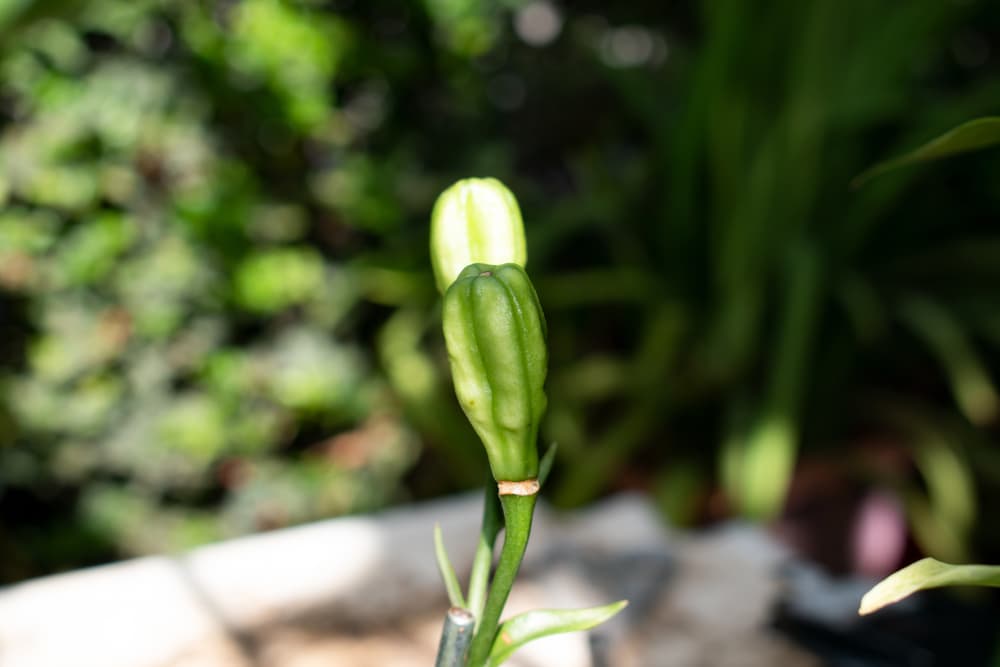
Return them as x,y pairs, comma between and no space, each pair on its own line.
365,591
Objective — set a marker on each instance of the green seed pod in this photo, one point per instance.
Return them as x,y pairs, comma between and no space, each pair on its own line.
475,220
495,332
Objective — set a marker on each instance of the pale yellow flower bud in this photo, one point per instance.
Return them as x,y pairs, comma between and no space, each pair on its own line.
476,220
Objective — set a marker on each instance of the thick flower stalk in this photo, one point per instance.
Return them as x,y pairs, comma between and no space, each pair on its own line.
495,332
476,220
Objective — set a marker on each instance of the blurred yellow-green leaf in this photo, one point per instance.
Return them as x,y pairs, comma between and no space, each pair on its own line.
922,575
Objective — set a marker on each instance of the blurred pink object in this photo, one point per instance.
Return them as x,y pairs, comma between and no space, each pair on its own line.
879,535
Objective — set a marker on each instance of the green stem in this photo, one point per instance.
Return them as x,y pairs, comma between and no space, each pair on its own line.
517,511
479,579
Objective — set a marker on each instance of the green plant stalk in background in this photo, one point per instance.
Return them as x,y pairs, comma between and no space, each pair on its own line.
768,456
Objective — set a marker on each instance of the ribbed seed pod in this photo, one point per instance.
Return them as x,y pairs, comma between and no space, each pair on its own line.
475,220
495,332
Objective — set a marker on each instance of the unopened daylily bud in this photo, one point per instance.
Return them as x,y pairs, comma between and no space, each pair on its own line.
476,220
495,332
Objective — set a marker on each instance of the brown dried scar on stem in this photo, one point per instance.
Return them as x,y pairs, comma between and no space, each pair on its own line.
528,487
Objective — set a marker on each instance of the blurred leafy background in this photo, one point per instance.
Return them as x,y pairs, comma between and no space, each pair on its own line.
216,308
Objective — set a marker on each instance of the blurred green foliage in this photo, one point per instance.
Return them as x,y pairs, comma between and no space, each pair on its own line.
216,305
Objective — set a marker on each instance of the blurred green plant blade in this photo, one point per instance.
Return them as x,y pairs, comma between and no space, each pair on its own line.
922,575
447,570
941,516
600,459
949,480
767,464
678,491
929,529
969,259
862,306
620,284
967,373
608,453
591,379
971,136
736,424
771,444
943,509
519,630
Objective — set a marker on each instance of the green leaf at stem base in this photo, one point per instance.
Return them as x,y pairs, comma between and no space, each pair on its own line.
519,630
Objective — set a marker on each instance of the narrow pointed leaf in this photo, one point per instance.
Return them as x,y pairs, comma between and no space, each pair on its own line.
924,574
970,136
519,630
447,571
491,525
545,465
